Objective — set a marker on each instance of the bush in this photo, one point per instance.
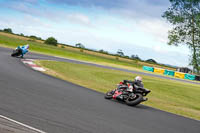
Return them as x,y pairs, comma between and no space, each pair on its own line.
79,45
120,53
151,61
135,57
35,37
8,30
51,41
127,57
104,52
21,34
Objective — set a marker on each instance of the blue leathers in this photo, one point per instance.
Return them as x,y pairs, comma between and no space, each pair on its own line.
24,49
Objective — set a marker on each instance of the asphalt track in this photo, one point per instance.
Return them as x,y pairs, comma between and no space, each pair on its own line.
57,106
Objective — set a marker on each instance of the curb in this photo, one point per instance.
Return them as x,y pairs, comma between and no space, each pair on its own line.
30,63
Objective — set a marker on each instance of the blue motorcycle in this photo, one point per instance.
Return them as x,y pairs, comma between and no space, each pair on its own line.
20,51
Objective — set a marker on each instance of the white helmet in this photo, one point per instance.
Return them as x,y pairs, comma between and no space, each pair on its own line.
138,78
27,46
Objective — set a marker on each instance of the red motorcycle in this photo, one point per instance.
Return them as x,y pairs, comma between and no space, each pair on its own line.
131,95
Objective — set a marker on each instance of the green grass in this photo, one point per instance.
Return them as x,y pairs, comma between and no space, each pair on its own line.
56,51
172,96
12,41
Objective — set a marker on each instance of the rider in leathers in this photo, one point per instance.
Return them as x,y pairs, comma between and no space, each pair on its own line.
23,49
137,83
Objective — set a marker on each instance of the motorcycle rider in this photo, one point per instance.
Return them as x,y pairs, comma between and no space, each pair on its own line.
23,49
137,83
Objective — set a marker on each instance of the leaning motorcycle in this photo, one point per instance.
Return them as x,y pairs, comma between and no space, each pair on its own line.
132,96
16,52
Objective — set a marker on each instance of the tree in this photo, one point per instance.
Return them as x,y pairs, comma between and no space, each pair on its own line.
35,37
9,30
151,61
51,41
135,57
120,53
79,45
102,51
184,15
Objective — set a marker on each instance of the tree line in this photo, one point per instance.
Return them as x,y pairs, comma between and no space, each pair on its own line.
49,40
54,42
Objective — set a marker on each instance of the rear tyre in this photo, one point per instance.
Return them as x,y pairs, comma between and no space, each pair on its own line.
108,95
133,101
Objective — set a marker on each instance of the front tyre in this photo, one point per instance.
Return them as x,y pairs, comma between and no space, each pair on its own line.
134,100
108,95
16,53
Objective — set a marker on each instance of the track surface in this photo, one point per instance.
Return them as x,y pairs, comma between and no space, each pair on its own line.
57,106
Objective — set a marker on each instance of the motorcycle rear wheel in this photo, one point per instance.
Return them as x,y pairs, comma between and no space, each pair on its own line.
134,101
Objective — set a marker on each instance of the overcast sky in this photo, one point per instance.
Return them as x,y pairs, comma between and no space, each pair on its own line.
134,26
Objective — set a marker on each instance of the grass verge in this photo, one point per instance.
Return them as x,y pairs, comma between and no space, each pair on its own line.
12,41
171,96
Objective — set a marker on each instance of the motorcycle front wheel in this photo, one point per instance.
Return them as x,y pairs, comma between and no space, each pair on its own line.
15,53
108,95
134,100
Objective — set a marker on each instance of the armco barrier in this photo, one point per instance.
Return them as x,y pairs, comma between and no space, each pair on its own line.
169,72
189,76
159,70
179,75
146,68
172,73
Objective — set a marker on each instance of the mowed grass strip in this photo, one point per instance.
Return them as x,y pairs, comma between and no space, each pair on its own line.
171,96
12,41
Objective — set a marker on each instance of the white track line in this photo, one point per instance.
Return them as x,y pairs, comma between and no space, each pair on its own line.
24,125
